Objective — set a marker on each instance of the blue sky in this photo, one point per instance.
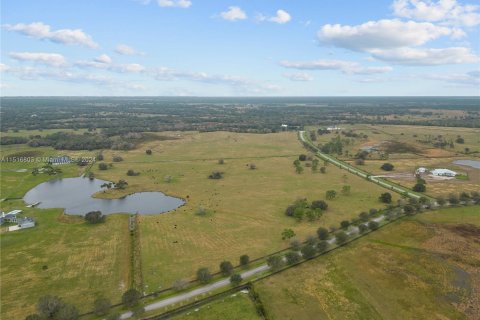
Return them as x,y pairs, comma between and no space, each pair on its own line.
240,48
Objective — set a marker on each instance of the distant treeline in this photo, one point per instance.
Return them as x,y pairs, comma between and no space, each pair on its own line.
117,116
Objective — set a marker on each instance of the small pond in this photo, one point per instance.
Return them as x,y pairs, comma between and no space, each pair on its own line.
75,195
469,163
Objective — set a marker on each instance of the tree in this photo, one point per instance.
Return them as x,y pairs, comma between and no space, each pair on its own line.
49,306
386,197
117,159
235,279
360,162
314,165
292,257
94,217
308,251
362,228
226,268
149,152
373,225
330,194
345,224
204,275
102,166
299,169
453,199
67,312
180,284
101,306
287,234
441,201
290,210
460,140
323,233
91,175
322,246
295,244
323,170
99,157
244,260
275,262
346,189
409,210
121,184
319,204
341,237
419,187
387,167
298,213
131,297
311,240
313,214
363,216
302,157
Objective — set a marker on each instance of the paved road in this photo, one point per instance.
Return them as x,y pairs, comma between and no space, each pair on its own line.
221,283
190,294
357,171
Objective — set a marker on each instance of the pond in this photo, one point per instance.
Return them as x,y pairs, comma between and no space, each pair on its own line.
469,163
75,195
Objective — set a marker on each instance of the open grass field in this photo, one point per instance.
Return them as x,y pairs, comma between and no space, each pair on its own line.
412,136
426,267
63,256
246,207
235,307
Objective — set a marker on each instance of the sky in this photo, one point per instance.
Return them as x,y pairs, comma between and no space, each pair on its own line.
240,48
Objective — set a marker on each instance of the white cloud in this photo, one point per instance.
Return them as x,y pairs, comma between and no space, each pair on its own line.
383,34
105,62
347,67
233,14
42,31
4,67
444,11
281,17
237,83
174,3
125,50
298,76
52,59
471,78
418,56
103,59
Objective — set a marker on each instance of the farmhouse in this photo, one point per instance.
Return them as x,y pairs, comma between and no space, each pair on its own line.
334,128
26,223
10,216
443,173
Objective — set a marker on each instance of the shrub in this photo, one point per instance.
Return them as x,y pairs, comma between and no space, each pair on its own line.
419,187
319,204
386,197
387,166
216,175
130,172
102,166
101,306
180,284
302,157
117,159
275,262
344,224
149,152
226,268
362,228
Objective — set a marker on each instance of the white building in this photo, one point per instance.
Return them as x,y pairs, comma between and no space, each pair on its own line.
421,170
26,223
10,216
443,173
